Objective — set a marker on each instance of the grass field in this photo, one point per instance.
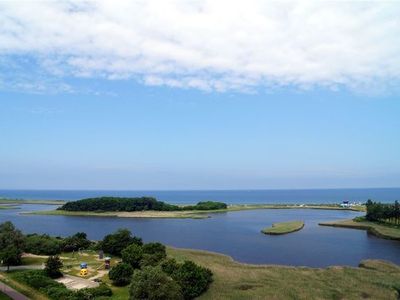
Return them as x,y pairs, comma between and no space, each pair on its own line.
379,230
284,227
193,214
374,279
232,280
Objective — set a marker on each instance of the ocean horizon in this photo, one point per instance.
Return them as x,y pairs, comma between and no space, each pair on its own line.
267,196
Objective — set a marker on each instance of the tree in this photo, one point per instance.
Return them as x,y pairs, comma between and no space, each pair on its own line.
132,255
53,267
153,253
116,242
193,279
75,242
121,274
43,244
152,283
12,243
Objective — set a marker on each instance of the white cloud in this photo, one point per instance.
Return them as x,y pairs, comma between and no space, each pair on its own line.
209,45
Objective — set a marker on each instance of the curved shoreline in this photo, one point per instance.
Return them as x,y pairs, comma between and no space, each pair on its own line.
378,230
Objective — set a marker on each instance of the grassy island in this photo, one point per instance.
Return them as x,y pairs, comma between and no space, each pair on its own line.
283,227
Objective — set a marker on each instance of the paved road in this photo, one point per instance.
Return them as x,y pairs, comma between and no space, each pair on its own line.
10,292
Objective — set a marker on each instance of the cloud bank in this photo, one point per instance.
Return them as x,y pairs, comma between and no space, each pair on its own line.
207,45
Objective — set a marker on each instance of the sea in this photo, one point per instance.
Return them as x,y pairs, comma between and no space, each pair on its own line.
287,196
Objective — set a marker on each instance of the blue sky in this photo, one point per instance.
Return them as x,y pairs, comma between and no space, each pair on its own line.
208,118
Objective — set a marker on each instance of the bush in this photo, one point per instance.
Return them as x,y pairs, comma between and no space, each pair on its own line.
43,244
153,283
169,266
121,274
193,279
153,254
53,267
132,255
92,293
116,242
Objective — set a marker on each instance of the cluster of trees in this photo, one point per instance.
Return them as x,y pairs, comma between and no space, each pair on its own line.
43,244
151,274
383,212
13,243
134,204
145,267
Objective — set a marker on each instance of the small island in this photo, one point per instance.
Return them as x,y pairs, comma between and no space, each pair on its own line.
283,228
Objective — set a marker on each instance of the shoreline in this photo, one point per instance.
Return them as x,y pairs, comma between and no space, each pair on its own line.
379,230
191,214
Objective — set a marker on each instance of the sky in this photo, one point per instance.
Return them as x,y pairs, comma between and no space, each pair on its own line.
199,94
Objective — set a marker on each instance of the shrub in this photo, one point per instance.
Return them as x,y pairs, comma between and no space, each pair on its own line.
132,255
121,274
53,267
153,283
169,266
193,279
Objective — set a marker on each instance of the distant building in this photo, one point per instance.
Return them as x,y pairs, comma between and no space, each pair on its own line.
345,204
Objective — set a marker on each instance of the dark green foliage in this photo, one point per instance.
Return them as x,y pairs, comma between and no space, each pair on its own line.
134,204
53,267
207,205
38,280
75,242
43,244
116,242
121,274
92,293
383,212
118,204
132,255
169,266
153,254
193,279
12,243
153,283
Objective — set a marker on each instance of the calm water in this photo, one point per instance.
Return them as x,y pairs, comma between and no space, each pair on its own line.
228,196
236,234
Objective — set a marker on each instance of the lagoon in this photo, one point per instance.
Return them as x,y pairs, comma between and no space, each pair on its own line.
234,233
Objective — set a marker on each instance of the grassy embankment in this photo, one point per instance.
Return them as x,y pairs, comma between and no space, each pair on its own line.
380,230
232,280
283,227
194,214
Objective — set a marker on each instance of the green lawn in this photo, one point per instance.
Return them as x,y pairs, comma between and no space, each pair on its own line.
383,231
283,227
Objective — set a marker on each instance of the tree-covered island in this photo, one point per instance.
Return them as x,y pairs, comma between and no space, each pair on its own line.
123,204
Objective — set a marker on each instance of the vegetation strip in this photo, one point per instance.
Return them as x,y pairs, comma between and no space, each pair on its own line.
283,228
193,214
382,231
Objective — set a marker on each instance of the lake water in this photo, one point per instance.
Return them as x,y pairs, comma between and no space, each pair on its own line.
228,196
235,233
